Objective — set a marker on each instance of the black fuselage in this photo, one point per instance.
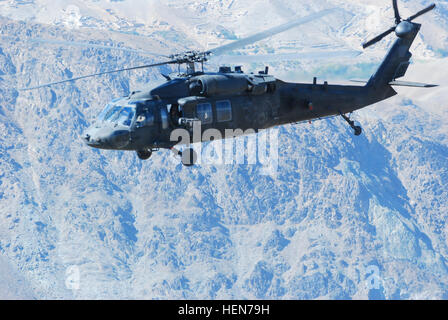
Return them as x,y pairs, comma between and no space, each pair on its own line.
281,103
235,101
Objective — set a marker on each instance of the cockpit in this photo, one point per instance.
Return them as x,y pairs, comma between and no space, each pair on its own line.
124,114
121,115
120,121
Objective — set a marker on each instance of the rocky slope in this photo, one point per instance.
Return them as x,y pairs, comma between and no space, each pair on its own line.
343,218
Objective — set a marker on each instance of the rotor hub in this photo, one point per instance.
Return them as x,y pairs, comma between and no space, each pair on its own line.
190,57
404,29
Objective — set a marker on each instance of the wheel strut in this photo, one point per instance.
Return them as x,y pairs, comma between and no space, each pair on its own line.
357,129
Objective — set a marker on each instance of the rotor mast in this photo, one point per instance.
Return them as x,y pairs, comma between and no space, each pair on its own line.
190,58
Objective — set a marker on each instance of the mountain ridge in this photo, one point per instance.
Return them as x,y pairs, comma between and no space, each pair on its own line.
343,218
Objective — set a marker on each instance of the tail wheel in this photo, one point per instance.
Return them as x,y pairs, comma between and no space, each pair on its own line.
189,157
144,154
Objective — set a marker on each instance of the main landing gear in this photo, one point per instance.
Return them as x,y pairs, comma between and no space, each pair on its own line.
144,154
189,157
357,129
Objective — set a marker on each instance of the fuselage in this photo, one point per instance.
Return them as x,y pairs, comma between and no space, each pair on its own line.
225,102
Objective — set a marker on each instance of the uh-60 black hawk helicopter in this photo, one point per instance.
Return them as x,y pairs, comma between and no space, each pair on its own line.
230,99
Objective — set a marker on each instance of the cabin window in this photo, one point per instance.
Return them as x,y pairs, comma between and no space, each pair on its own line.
204,113
223,111
164,117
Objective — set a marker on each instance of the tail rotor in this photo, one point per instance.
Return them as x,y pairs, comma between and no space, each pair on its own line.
402,27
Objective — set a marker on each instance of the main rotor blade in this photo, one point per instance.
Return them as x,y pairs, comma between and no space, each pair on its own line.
396,12
91,45
418,14
271,32
307,55
378,38
84,45
98,74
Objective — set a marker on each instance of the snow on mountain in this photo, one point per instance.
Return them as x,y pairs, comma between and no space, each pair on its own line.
343,218
13,286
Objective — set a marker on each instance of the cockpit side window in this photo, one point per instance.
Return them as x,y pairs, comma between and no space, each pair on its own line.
145,119
145,116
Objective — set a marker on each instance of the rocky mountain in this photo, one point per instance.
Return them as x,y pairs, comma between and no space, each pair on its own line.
343,217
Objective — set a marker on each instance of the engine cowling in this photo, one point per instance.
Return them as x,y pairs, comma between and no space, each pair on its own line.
215,85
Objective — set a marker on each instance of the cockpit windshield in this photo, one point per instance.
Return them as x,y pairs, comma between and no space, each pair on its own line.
122,115
112,114
125,116
105,111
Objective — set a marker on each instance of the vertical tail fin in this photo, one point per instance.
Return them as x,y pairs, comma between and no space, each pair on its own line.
397,61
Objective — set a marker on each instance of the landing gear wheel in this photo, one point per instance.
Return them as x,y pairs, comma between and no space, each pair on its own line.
144,154
357,129
189,157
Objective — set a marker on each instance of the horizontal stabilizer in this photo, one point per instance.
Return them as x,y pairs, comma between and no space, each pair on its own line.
412,84
359,81
404,84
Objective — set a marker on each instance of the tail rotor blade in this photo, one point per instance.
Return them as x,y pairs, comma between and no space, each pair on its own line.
378,38
418,14
396,11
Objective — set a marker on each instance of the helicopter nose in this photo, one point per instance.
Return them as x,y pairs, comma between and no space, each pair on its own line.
106,138
86,138
91,142
91,139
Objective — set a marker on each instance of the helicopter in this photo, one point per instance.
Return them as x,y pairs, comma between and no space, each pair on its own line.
228,99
